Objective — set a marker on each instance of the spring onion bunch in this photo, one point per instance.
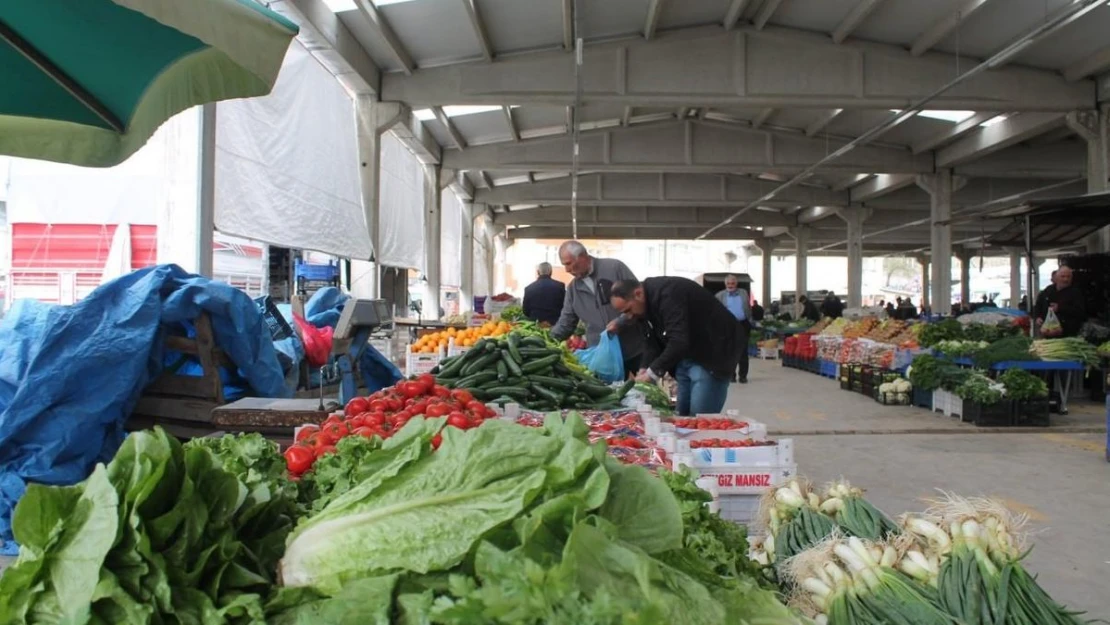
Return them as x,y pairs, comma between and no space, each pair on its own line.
854,581
979,546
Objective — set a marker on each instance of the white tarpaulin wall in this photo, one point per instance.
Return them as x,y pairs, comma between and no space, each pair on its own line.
450,236
401,207
287,164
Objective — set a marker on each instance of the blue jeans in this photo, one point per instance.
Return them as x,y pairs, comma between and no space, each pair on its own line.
699,391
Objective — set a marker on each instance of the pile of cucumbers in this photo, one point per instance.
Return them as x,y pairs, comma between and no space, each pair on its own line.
524,370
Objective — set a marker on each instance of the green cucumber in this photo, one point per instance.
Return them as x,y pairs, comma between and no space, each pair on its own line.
511,364
552,382
535,366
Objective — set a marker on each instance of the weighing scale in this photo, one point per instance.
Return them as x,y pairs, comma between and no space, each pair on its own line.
360,320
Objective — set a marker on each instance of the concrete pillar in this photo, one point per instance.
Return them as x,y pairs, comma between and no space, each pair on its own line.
206,189
767,248
801,242
854,218
1015,277
965,257
924,262
1091,126
373,118
433,241
940,187
466,254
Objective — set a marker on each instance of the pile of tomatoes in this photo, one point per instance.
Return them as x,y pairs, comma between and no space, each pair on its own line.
726,443
382,414
709,423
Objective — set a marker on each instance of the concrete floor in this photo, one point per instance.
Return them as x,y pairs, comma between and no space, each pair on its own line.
1058,476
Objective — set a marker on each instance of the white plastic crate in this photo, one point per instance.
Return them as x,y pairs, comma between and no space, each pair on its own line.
740,508
416,364
779,454
455,350
746,480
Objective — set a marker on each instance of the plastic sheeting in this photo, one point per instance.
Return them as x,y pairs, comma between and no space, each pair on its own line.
71,375
401,207
287,164
450,236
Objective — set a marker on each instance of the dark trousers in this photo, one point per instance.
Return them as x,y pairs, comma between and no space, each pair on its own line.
745,330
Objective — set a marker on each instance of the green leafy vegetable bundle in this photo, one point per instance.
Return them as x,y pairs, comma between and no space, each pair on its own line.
509,525
163,534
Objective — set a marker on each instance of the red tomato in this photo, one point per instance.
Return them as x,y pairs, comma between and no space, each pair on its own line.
436,441
462,396
325,450
458,420
298,459
356,406
307,431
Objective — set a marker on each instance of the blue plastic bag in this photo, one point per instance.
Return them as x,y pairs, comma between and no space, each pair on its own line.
604,359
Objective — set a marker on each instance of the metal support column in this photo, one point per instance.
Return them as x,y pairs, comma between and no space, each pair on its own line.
801,241
1091,126
854,218
1015,277
433,241
206,190
940,186
767,248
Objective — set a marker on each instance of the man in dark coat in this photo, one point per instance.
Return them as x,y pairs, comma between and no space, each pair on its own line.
688,333
543,299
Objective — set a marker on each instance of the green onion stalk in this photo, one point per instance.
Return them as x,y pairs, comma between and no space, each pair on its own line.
980,580
854,581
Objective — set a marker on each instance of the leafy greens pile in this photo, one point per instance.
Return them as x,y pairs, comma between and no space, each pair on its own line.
163,534
508,525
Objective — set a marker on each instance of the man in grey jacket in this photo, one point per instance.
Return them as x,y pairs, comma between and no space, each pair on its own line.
587,299
736,300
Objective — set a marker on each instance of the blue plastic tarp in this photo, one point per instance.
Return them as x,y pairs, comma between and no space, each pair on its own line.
71,375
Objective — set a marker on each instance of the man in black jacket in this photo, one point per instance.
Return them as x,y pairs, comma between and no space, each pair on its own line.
543,299
688,333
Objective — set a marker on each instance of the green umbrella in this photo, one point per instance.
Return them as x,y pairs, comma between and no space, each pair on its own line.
88,82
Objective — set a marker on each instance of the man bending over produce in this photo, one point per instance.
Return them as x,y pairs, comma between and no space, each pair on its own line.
688,333
587,299
1066,301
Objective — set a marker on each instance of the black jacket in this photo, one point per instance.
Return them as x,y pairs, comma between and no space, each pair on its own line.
1071,308
684,320
543,299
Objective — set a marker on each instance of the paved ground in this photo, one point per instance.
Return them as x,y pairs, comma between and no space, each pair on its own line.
1059,477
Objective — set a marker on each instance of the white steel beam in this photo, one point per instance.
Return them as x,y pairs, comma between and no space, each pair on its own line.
637,216
854,18
479,28
879,186
663,190
955,132
765,12
689,146
762,118
773,68
329,41
392,41
456,136
513,130
1010,131
1094,64
822,121
655,10
945,25
735,10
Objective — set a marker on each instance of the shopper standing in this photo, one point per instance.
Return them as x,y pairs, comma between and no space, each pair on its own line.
735,300
587,299
688,333
543,299
1063,299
